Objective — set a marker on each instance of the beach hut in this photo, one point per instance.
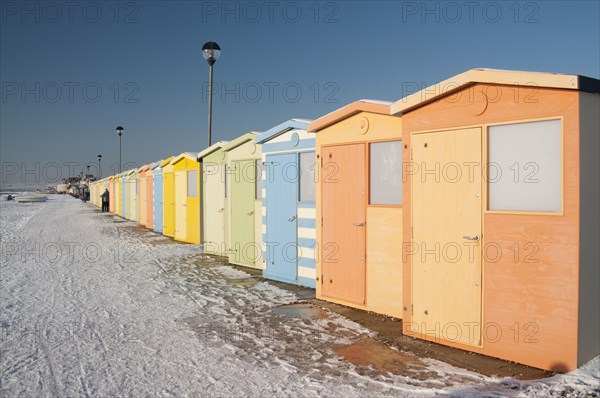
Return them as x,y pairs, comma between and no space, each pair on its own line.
118,195
157,193
288,203
92,188
243,201
150,195
136,195
359,207
501,215
128,195
186,170
168,200
111,194
212,164
143,194
124,193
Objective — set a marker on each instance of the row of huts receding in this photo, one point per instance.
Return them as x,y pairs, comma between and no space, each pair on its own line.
468,209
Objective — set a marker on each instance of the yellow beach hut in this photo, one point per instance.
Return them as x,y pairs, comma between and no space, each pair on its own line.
186,170
143,194
168,200
111,194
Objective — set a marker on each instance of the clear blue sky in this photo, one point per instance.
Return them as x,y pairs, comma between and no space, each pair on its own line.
279,60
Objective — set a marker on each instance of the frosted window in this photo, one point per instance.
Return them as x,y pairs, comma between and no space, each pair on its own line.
192,183
524,171
258,176
386,173
308,183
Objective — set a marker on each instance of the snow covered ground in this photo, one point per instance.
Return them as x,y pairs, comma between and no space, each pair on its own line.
93,306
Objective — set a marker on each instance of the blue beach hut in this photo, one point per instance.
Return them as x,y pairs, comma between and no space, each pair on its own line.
288,200
157,192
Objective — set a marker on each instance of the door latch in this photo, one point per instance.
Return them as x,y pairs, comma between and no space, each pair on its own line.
475,238
359,224
291,218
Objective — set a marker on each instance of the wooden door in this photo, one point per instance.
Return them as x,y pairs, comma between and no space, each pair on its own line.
243,187
181,205
150,201
281,187
168,204
143,199
447,226
158,201
344,222
213,202
124,189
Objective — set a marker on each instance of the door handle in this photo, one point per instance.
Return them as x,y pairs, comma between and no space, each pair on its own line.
359,224
291,218
475,238
221,210
250,213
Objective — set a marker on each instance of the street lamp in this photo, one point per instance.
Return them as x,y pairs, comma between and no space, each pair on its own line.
88,170
99,168
119,131
210,52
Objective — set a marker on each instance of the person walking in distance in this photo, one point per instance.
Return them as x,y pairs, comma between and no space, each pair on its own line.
105,198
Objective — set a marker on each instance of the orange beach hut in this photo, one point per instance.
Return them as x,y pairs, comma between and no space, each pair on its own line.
500,215
359,207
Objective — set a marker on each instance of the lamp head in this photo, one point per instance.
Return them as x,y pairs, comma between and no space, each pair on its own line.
210,52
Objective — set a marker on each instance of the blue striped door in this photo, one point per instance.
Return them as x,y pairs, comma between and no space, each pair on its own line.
281,187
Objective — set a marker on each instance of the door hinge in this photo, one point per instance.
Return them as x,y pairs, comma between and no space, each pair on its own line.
412,234
411,154
321,221
412,309
321,279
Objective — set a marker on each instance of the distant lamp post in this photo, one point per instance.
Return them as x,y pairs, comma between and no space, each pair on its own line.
210,52
99,167
119,131
88,170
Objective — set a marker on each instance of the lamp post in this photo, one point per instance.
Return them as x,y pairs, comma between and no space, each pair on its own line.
119,131
88,170
210,52
99,167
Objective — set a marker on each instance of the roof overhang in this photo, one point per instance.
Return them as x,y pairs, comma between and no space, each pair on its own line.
493,76
292,124
372,106
242,139
155,165
185,155
211,149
